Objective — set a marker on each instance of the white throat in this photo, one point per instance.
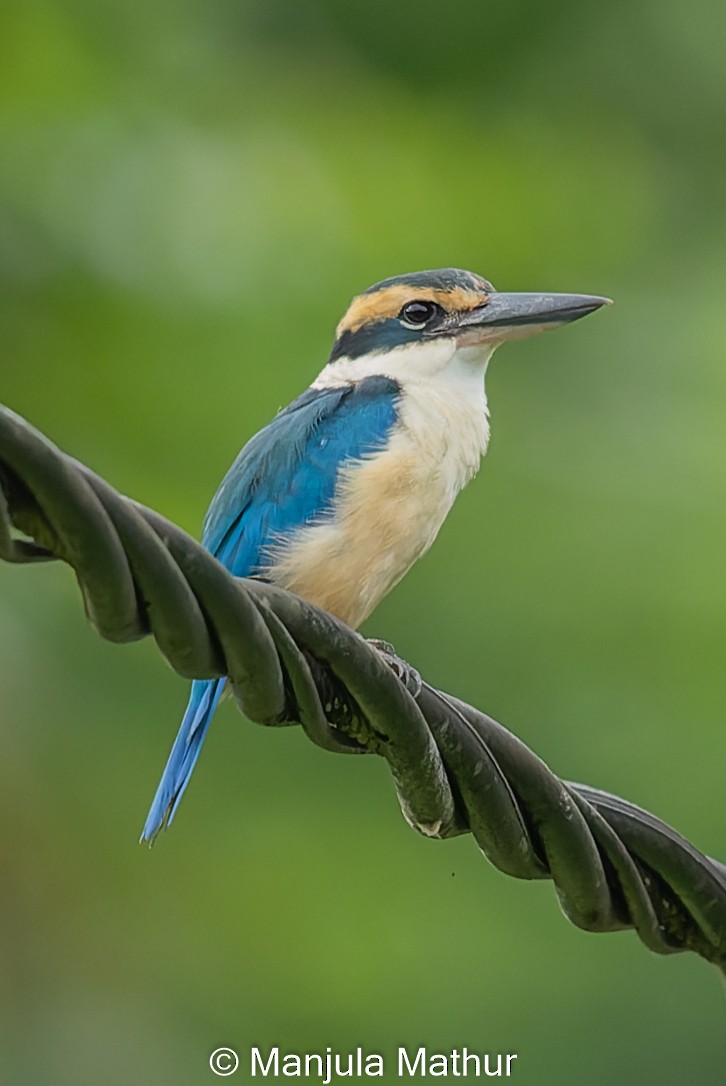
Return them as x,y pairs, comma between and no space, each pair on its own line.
441,362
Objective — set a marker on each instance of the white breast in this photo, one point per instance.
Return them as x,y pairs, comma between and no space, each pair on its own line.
390,506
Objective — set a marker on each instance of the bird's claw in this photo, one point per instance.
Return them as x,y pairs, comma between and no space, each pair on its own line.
403,671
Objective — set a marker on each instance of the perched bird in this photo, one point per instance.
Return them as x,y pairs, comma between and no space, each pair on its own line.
339,495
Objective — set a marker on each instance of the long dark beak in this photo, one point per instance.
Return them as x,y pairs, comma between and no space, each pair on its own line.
513,316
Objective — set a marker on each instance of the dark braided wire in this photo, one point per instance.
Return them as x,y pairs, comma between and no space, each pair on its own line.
455,769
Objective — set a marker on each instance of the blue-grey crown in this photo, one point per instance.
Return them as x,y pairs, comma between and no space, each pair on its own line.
438,279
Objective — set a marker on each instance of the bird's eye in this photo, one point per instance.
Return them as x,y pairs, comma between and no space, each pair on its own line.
418,314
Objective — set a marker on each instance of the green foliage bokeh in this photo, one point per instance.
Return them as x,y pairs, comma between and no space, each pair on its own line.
189,195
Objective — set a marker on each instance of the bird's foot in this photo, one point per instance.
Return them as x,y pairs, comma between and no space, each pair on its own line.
403,671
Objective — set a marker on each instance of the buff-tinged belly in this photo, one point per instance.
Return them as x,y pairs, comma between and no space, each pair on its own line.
388,511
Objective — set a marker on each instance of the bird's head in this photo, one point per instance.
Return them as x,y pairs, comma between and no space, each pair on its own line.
429,320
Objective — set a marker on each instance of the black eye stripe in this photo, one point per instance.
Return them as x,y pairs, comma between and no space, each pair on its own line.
419,313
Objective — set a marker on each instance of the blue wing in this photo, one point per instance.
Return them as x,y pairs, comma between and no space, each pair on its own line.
283,478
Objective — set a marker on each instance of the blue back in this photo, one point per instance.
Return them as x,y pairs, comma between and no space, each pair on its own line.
285,476
283,479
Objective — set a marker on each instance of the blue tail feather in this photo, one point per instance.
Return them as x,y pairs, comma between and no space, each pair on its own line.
203,702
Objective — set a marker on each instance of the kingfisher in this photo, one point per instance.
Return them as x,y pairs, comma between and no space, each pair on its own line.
337,497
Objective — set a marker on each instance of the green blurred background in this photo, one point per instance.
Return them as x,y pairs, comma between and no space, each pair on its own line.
191,192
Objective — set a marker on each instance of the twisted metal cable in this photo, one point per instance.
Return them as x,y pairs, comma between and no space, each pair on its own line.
455,769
